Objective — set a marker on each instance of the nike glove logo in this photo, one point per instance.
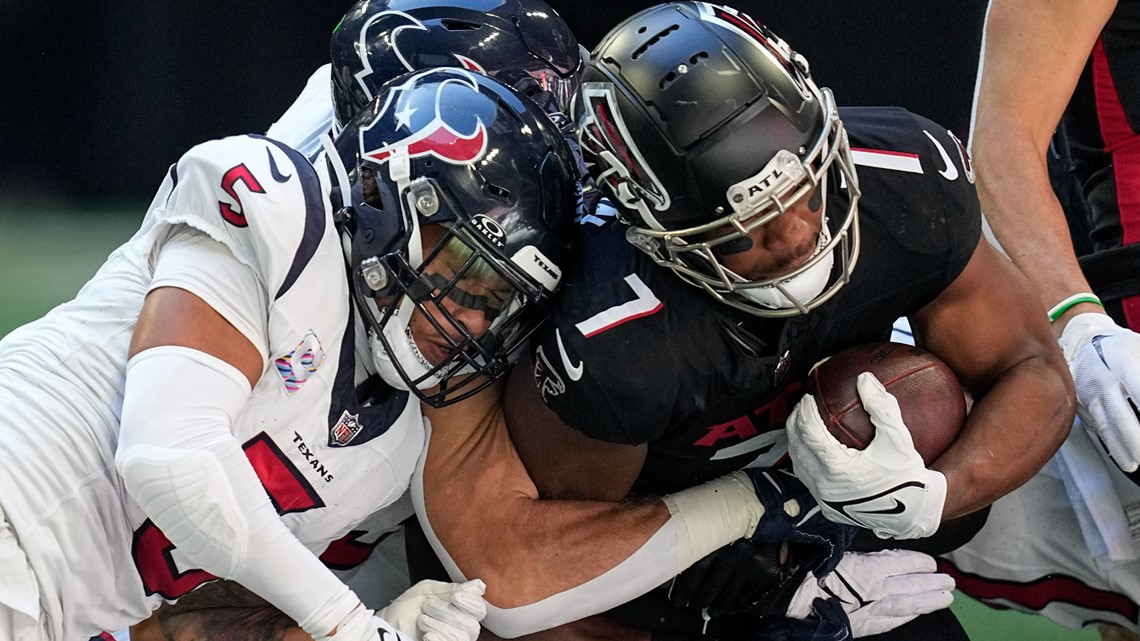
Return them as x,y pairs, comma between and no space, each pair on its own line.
851,508
1100,352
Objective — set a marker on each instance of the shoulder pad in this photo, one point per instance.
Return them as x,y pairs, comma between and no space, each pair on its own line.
260,198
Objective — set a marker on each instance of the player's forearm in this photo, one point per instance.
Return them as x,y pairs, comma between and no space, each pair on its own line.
179,461
1018,201
1033,56
529,549
1010,433
548,562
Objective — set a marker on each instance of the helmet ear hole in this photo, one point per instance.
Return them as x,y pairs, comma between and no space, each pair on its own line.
498,192
370,191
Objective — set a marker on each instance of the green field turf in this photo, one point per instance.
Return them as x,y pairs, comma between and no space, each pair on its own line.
46,257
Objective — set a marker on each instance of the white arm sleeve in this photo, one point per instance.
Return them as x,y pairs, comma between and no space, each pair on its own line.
180,462
703,519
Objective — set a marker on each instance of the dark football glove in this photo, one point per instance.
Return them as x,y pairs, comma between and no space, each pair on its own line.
758,578
827,622
791,514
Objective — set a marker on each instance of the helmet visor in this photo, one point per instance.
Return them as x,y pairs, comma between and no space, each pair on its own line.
470,313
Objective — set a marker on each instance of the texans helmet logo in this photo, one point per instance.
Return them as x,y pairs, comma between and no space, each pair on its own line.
455,133
393,23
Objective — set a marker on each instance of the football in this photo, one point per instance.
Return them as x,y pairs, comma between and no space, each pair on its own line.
930,397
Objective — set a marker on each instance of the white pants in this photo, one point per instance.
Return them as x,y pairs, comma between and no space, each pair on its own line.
1031,556
21,618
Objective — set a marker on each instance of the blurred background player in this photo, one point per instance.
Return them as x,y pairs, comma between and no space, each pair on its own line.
1058,102
225,399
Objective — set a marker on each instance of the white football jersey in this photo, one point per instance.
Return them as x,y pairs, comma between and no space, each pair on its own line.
310,115
326,460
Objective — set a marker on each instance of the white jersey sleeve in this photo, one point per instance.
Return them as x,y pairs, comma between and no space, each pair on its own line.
310,115
257,197
228,286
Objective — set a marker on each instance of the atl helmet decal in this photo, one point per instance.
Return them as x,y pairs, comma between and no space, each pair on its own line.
605,139
393,22
435,137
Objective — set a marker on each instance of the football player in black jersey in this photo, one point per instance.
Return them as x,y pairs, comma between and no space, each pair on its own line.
756,247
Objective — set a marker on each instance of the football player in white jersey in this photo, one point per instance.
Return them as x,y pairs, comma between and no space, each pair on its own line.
240,383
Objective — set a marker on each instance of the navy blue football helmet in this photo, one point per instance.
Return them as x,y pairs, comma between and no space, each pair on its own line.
522,43
460,200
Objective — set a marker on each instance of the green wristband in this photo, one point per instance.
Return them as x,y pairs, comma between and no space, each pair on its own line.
1076,299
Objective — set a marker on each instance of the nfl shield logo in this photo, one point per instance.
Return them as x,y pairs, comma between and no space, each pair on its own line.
345,429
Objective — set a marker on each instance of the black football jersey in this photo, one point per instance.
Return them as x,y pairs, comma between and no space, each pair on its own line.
633,354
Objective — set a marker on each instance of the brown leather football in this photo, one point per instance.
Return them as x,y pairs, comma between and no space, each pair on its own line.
929,395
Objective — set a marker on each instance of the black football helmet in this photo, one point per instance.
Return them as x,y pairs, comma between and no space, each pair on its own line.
701,125
455,147
522,43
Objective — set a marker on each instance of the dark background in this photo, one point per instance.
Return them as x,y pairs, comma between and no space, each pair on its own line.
99,98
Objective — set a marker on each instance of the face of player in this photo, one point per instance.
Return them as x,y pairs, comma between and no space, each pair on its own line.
779,246
474,302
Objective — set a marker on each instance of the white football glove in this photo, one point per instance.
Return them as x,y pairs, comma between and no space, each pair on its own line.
885,487
1104,359
879,590
362,624
438,611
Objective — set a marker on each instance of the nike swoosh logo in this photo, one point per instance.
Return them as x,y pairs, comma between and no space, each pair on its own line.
574,372
898,508
277,175
851,509
1099,352
951,172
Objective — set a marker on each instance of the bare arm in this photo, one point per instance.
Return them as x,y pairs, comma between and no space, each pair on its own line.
172,316
563,462
988,327
1033,56
552,561
485,508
